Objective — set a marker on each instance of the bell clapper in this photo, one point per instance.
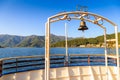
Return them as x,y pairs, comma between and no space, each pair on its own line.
83,34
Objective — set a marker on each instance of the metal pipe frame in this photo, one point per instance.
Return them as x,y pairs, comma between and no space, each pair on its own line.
117,53
105,46
78,15
47,50
66,44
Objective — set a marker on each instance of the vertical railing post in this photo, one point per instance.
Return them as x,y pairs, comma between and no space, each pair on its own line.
47,50
16,64
89,60
1,68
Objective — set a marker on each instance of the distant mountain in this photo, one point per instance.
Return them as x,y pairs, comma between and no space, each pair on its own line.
27,41
10,40
32,41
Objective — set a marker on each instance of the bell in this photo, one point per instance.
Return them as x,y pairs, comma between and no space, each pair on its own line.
83,26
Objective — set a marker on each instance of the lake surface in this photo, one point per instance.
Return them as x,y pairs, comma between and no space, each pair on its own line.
38,63
14,52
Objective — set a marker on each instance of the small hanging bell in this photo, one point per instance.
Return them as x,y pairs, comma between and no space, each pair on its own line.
83,26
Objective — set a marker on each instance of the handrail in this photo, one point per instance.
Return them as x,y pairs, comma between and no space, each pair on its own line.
29,56
26,63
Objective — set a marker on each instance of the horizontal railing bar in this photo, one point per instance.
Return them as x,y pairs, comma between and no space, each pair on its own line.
20,62
2,59
10,67
20,66
6,63
20,57
56,58
87,54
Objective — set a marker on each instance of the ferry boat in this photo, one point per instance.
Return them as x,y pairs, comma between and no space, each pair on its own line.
64,66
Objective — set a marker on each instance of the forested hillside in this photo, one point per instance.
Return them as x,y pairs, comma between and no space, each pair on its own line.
77,42
56,41
27,41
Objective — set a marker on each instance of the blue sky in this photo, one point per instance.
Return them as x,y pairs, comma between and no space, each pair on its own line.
28,17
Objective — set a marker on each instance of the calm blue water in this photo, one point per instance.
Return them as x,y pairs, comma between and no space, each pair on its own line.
13,52
24,66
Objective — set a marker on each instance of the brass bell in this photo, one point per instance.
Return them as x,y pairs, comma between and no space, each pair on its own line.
83,26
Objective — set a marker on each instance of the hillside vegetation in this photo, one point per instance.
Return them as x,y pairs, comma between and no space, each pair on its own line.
89,42
56,41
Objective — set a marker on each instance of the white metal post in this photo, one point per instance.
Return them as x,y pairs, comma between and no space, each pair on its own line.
47,50
106,60
66,44
117,53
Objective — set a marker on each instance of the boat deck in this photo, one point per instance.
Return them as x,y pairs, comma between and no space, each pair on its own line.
80,67
67,73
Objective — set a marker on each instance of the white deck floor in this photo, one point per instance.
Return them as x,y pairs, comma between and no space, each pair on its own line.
67,73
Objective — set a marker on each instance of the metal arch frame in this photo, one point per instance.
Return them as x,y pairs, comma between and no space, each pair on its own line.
78,15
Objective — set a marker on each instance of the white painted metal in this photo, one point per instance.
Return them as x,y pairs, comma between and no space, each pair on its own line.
79,13
92,73
106,60
66,44
46,51
66,17
67,73
117,53
47,54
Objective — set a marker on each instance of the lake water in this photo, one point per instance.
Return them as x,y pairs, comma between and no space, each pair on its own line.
39,62
14,52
